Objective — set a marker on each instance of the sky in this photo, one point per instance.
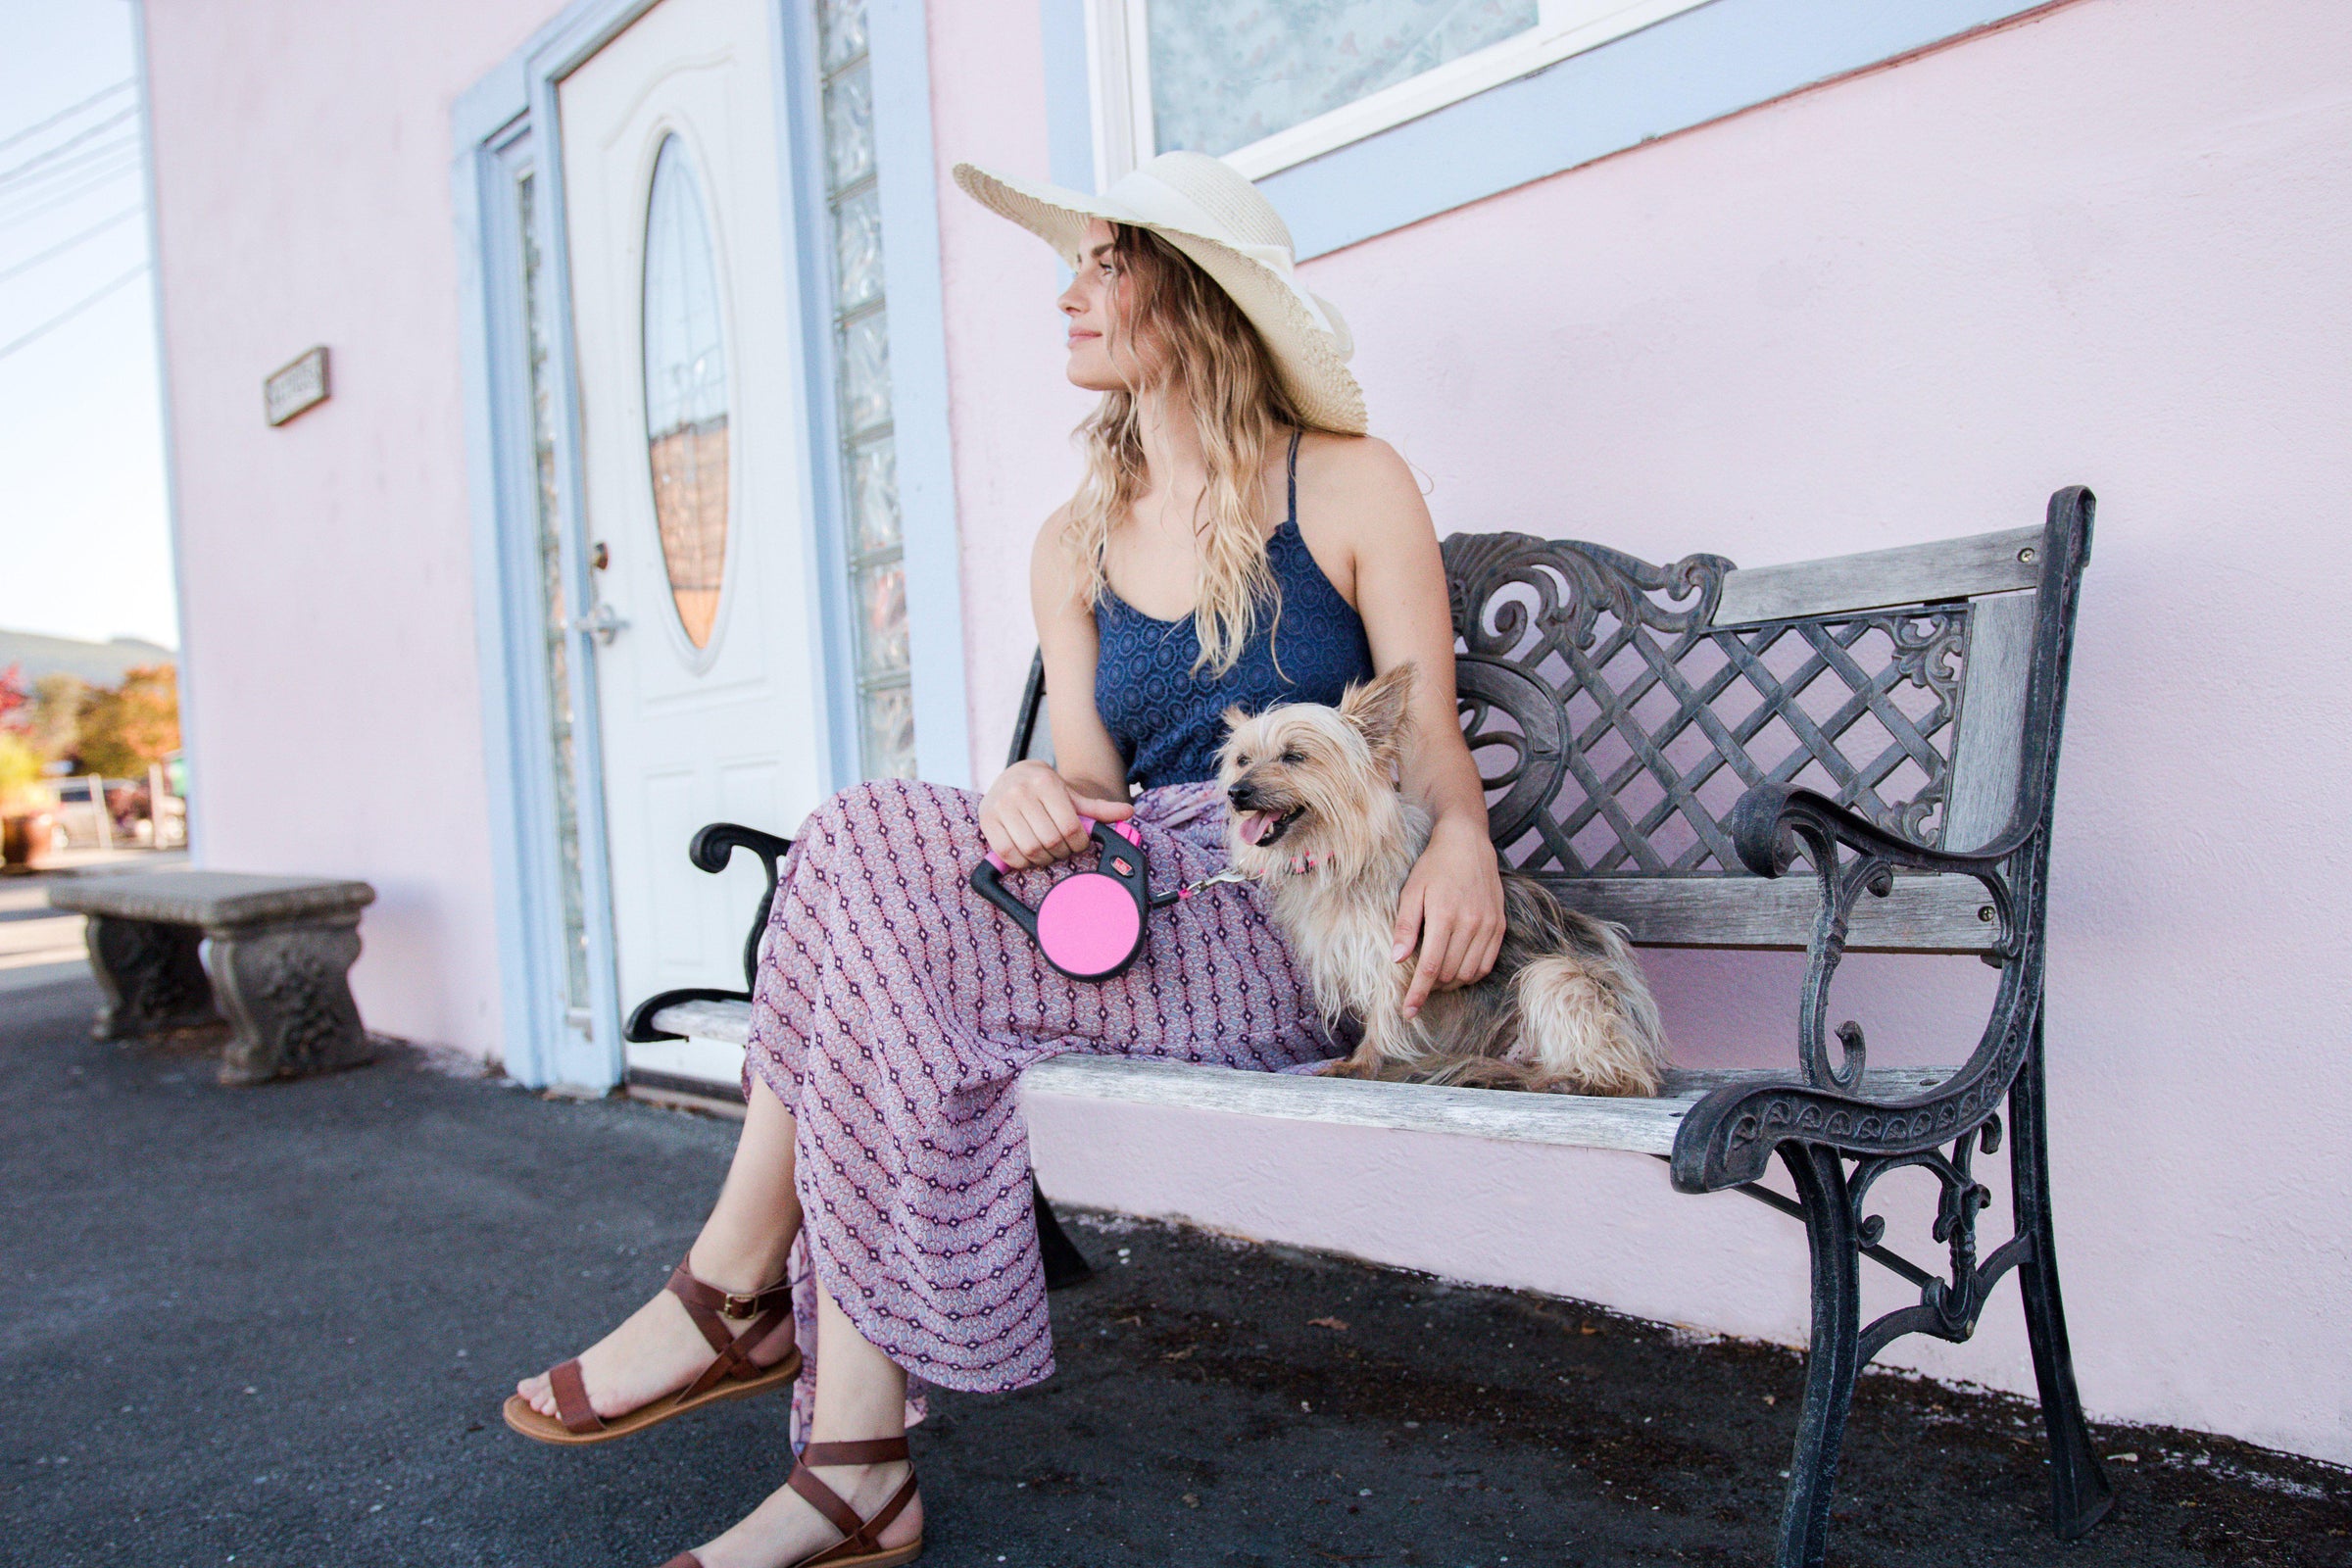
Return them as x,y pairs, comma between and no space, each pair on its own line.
85,546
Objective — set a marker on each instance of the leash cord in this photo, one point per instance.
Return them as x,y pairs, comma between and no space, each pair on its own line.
1161,900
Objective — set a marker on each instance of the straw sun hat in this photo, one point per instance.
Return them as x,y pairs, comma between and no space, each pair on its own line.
1204,208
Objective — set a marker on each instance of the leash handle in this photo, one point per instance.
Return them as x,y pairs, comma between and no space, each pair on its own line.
1125,830
1089,925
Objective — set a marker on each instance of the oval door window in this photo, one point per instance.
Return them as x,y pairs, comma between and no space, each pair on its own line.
685,391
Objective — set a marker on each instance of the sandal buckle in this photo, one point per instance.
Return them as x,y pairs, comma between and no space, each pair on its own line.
732,1306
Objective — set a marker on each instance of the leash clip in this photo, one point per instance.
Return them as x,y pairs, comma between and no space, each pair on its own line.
1162,901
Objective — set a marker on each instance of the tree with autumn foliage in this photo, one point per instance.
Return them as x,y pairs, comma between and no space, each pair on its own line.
128,728
52,720
13,698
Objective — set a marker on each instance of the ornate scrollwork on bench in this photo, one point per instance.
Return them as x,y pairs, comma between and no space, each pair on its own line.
1948,1308
1730,1136
1616,725
1632,733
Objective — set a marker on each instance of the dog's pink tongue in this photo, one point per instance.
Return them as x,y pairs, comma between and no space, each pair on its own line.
1255,826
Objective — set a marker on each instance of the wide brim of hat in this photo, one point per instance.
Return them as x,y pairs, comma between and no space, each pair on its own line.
1310,361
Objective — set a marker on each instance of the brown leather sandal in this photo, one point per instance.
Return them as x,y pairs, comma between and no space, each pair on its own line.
731,1375
860,1543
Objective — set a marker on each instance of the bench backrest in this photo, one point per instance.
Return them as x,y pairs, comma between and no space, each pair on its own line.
1618,710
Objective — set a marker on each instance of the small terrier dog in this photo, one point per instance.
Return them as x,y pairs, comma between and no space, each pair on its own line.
1318,820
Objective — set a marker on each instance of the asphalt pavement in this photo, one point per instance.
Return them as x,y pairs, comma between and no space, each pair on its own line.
273,1325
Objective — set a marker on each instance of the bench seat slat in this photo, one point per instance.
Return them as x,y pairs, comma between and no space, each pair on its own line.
1922,915
728,1021
1640,1126
1875,579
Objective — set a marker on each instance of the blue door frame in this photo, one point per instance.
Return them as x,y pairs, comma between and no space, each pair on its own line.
504,128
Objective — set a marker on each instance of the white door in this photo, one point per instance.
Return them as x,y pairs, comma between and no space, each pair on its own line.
685,305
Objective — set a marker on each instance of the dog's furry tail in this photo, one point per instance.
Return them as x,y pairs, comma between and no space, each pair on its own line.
1589,1026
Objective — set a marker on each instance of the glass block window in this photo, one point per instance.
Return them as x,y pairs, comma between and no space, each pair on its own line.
555,618
877,580
1268,83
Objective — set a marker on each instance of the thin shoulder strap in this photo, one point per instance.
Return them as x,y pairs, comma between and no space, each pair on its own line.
1296,434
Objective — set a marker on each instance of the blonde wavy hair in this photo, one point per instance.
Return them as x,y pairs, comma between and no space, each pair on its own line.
1213,362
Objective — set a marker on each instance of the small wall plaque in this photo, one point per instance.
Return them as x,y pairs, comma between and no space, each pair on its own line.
298,386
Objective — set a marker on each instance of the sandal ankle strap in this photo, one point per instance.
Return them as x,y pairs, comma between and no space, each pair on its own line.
860,1451
686,1288
768,1309
860,1538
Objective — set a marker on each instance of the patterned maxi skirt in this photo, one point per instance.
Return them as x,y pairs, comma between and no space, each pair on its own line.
893,1012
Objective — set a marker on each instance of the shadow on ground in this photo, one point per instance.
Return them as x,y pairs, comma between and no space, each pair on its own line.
272,1326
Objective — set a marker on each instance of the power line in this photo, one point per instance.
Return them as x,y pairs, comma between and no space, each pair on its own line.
46,154
92,181
70,311
66,113
26,178
68,243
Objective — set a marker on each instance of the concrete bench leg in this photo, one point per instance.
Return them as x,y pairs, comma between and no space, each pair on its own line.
286,989
149,976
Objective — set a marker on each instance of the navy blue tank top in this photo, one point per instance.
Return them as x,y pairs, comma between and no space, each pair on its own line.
1164,718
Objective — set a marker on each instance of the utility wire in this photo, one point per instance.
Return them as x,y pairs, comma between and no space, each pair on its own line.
46,154
66,113
23,178
93,180
68,312
68,242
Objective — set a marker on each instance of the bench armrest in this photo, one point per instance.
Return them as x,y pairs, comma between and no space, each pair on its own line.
1730,1136
1773,821
715,845
710,851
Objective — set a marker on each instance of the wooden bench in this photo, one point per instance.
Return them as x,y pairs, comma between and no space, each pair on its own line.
1662,746
273,953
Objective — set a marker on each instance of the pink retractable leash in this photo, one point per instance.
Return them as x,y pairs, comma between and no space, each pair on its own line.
1089,925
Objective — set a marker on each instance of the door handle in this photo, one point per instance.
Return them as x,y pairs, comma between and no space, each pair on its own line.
601,623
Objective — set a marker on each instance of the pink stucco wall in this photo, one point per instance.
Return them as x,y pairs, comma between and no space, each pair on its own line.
1014,463
326,577
2109,245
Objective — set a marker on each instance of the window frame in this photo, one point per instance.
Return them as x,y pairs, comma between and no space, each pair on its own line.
1119,71
1699,65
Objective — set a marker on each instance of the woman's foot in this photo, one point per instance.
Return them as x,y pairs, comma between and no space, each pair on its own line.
657,1351
787,1528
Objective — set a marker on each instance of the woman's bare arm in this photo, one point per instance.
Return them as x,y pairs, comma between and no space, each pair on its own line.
1030,814
1452,909
1084,754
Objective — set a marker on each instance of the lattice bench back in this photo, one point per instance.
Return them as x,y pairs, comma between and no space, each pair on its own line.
1618,710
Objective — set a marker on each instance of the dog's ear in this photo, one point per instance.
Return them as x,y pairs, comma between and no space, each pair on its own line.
1232,718
1380,711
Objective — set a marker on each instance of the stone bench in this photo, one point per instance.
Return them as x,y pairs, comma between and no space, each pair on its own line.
271,954
1661,746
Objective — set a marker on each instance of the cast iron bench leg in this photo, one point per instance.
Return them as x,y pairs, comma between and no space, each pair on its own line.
1065,1263
1835,1358
149,976
2078,1485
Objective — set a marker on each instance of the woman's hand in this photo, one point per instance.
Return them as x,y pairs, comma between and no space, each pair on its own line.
1030,816
1451,907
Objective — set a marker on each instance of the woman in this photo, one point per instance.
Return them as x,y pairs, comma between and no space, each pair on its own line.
1237,540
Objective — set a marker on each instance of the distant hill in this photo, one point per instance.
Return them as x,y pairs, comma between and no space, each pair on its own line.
100,663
